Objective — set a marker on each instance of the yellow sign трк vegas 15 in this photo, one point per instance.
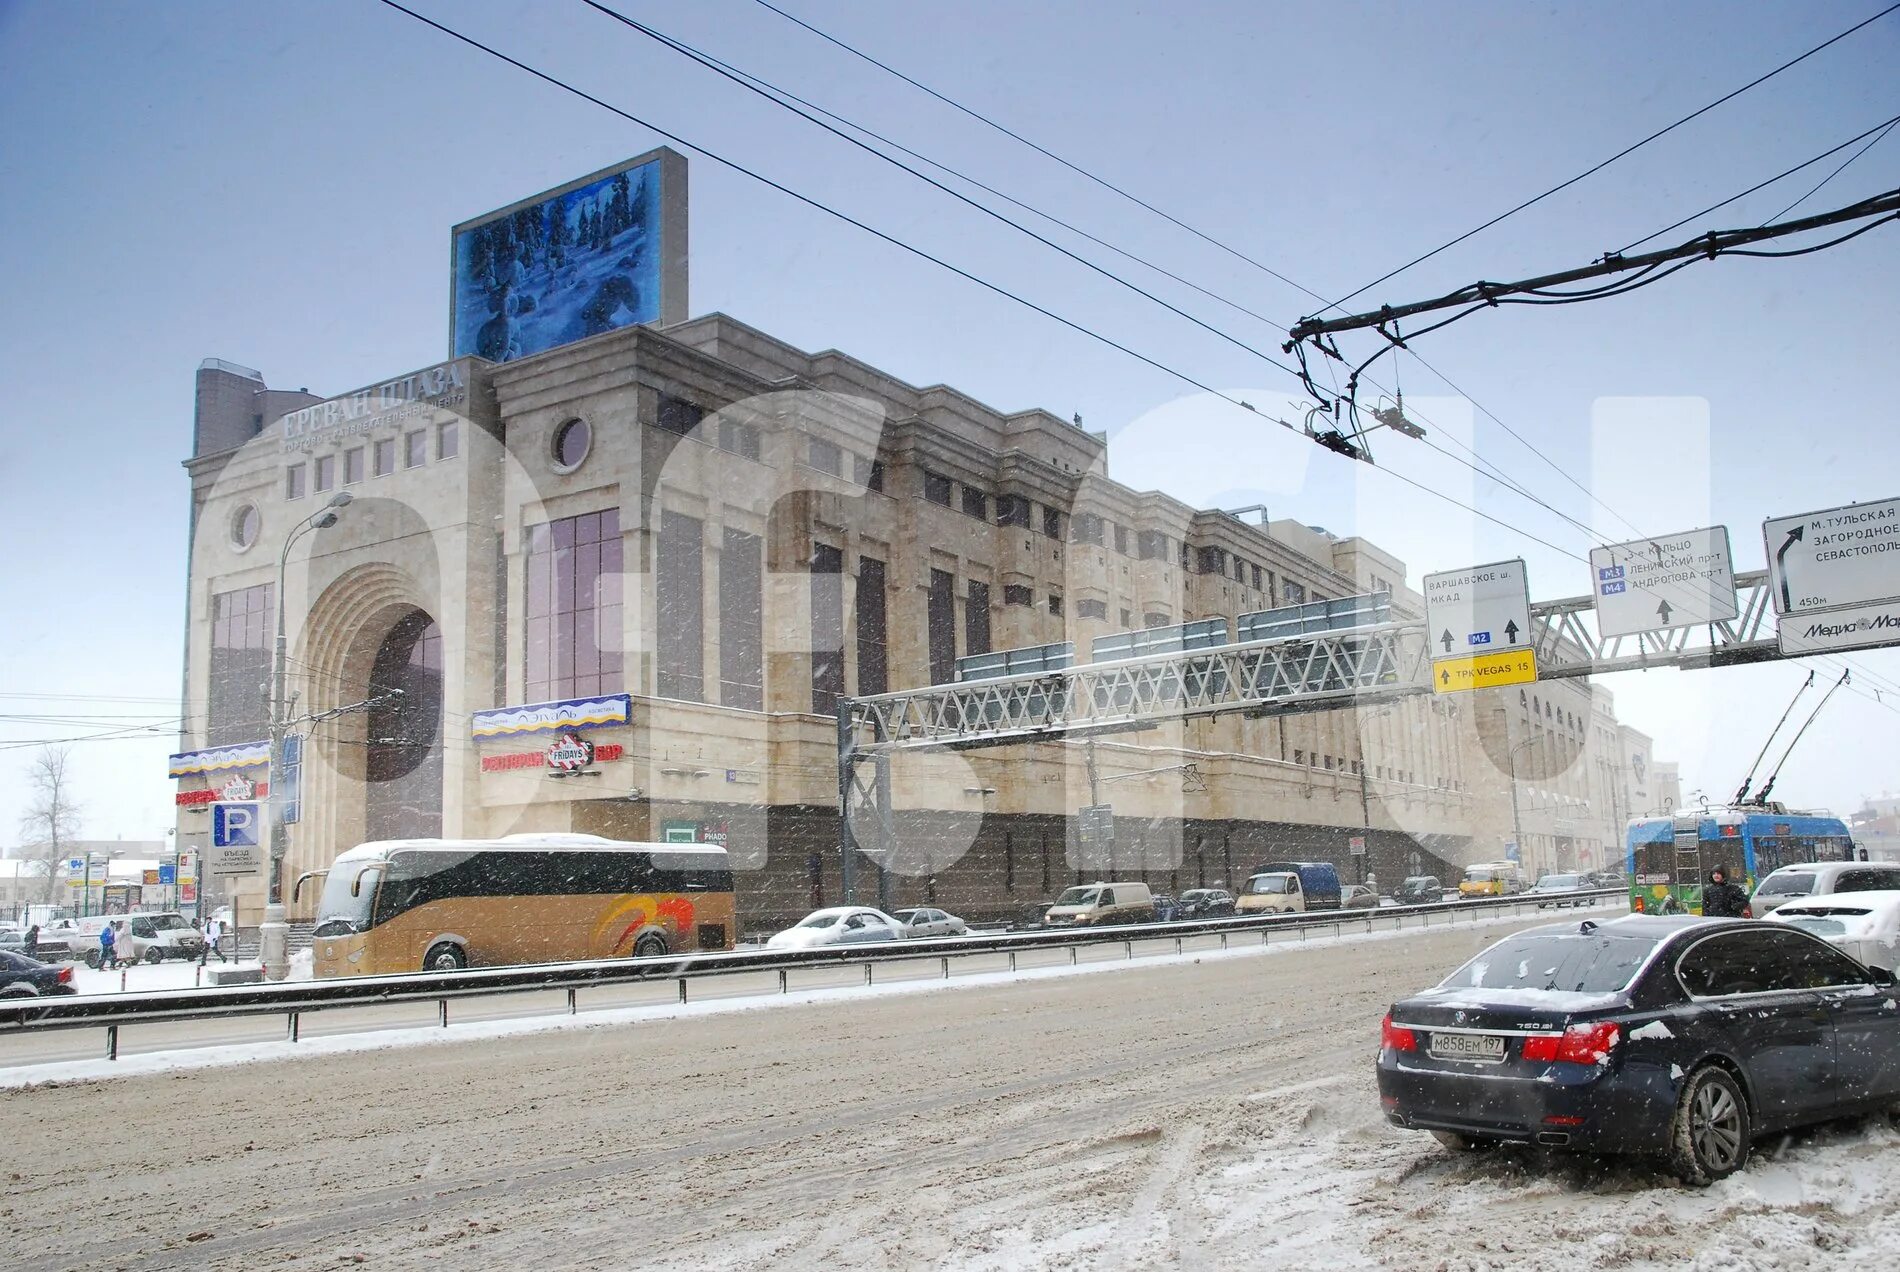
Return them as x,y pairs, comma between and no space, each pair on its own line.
1481,671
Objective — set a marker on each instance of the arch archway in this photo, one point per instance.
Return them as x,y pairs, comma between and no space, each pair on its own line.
402,769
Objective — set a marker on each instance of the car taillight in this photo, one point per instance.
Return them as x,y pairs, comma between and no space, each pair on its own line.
66,974
1579,1044
1748,911
1396,1037
1637,905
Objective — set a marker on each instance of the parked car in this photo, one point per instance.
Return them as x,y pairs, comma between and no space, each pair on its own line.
927,921
1866,925
13,937
838,925
1099,904
1819,878
1029,916
1205,903
1358,896
1167,908
1272,892
1559,889
23,977
1418,890
1675,1037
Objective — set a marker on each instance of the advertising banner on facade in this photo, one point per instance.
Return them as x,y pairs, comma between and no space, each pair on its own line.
604,252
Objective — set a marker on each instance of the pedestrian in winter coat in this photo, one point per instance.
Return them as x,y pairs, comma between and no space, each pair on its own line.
214,934
30,943
1722,899
108,946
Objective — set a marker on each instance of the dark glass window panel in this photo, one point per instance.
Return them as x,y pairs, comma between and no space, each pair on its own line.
383,456
1092,609
677,415
571,443
240,666
976,503
680,620
976,619
1012,510
937,488
294,482
741,622
1052,522
1018,594
827,628
873,648
415,449
941,619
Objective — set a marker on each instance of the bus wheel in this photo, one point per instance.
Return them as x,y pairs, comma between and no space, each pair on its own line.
652,945
444,958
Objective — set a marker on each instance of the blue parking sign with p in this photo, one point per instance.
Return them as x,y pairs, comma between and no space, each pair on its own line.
235,825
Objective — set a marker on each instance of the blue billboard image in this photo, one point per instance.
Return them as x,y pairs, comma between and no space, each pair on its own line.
573,265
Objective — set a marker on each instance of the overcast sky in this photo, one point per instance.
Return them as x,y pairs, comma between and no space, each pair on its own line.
274,185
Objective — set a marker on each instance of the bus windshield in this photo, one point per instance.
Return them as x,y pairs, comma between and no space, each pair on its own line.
348,892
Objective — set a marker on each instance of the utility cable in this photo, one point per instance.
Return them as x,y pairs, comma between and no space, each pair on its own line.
703,60
1837,172
1596,168
1882,128
1103,182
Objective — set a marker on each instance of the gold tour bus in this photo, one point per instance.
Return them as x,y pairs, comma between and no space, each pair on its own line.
404,905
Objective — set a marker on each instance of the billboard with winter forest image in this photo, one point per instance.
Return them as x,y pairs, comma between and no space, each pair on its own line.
604,252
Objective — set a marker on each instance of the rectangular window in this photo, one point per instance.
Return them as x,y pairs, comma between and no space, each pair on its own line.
1017,594
826,457
1213,561
1012,510
827,628
1155,618
1092,609
1151,545
325,472
240,666
1299,757
415,449
1128,619
942,622
741,622
739,438
448,441
573,607
873,641
1052,522
1295,593
937,489
293,481
679,592
352,465
383,457
1186,557
677,415
1240,570
868,473
1055,604
1256,578
1121,539
1085,527
976,619
976,504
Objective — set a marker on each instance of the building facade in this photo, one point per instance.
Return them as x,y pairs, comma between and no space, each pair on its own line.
620,587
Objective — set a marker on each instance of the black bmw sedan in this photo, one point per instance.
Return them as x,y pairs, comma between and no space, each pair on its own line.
1680,1038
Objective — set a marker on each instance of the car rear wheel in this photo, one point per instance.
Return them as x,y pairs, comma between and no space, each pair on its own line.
1709,1136
155,955
444,958
1458,1143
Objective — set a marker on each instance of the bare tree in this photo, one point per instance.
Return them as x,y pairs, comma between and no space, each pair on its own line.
51,821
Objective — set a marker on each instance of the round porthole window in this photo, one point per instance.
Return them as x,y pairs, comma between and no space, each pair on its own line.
572,441
245,524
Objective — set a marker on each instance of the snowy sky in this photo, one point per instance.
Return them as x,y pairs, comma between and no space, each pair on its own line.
287,176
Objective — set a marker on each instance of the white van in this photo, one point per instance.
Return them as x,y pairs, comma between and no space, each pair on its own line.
151,938
1099,904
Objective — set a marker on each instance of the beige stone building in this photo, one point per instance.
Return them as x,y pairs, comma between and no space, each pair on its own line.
674,549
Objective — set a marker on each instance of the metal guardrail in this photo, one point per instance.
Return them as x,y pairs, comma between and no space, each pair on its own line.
292,999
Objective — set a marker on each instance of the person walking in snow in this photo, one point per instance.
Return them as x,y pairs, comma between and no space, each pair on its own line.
108,947
1722,899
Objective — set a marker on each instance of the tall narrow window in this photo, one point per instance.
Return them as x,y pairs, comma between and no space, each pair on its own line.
741,622
976,503
448,443
679,595
873,642
293,482
383,456
827,628
240,665
976,619
573,609
942,622
325,472
937,488
352,465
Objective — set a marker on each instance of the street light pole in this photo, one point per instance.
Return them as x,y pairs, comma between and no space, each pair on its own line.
273,935
1517,822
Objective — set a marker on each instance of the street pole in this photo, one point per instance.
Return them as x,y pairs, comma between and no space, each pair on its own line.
1517,822
273,934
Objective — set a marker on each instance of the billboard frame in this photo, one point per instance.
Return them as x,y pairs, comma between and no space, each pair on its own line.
673,232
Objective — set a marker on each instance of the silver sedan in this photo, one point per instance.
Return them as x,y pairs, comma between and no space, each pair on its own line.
925,921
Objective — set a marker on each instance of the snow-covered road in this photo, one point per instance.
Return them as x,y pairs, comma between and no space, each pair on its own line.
1196,1112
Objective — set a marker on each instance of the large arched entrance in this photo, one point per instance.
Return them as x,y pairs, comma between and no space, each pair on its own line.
403,761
